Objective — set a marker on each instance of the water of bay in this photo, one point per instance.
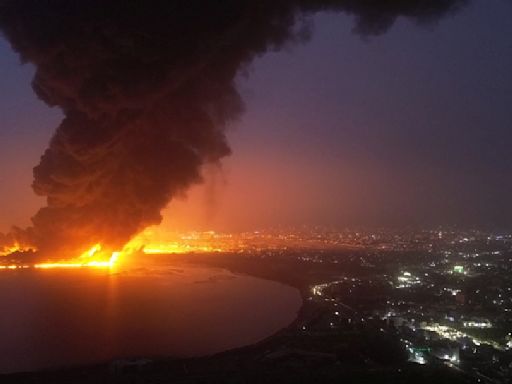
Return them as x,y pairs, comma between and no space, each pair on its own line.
56,318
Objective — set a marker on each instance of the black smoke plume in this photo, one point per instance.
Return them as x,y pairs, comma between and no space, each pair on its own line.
147,88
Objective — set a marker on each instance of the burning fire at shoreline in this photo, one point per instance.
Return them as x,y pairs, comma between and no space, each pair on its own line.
15,248
87,259
97,257
93,257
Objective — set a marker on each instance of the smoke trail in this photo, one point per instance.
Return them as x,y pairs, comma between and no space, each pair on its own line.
147,88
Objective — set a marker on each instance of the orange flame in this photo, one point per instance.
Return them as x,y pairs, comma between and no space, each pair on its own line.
86,259
146,242
16,247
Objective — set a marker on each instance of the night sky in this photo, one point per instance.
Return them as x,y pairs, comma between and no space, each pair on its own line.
409,128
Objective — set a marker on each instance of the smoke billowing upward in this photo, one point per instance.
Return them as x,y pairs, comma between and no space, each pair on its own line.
147,89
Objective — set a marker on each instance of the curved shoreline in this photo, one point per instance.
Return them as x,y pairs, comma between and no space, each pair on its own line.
290,320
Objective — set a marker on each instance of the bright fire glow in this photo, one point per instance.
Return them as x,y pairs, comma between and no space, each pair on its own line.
86,259
14,266
147,242
16,247
153,241
166,248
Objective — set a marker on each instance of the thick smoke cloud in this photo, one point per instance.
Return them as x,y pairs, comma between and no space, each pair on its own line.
147,88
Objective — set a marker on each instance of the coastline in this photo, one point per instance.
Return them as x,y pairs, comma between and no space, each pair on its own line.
162,359
290,355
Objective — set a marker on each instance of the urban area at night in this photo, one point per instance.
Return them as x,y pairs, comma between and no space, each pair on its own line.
376,301
443,296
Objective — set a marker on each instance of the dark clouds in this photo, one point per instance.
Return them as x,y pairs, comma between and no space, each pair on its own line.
147,89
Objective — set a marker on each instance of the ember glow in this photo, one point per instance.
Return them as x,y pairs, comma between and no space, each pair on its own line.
16,247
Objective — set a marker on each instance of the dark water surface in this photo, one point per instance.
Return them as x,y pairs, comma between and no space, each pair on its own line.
53,318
